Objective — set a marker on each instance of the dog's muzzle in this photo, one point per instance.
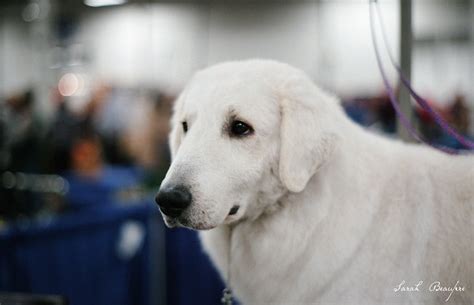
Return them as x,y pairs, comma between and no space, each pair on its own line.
173,200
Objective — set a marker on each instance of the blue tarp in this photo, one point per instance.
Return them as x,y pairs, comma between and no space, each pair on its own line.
76,256
191,277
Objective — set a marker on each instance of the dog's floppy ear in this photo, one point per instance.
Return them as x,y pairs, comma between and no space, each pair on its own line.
306,141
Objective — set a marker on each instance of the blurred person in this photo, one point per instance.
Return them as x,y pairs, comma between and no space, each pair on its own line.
21,152
21,134
376,112
60,135
163,108
86,154
459,115
147,134
386,114
146,138
427,124
75,134
132,124
109,112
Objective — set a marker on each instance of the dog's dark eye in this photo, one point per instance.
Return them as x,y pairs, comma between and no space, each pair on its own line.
185,126
239,128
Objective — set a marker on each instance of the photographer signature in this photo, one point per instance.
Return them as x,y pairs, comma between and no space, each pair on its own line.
435,286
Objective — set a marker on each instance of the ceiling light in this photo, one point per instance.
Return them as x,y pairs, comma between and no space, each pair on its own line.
97,3
69,84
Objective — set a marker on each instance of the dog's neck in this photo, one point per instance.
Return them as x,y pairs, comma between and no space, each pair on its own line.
316,209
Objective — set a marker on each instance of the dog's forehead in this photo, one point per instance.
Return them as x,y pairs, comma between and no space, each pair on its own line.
230,92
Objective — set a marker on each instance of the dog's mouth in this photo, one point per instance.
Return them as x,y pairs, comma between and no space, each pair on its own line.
172,222
184,223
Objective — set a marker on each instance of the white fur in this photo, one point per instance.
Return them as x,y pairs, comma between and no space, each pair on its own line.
329,213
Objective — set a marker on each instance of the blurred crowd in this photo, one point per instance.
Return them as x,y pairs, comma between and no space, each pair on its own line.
378,114
127,128
115,127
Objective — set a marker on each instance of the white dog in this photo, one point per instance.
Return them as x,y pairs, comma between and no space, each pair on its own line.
321,211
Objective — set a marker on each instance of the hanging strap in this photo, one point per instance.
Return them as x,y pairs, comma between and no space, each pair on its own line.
422,102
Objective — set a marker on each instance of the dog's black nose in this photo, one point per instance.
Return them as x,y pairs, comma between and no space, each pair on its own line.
173,200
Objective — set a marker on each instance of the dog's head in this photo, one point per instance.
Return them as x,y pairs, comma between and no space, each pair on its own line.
242,131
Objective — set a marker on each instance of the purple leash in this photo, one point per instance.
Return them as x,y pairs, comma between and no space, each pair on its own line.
422,102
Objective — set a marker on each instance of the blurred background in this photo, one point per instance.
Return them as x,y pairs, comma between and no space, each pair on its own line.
86,92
